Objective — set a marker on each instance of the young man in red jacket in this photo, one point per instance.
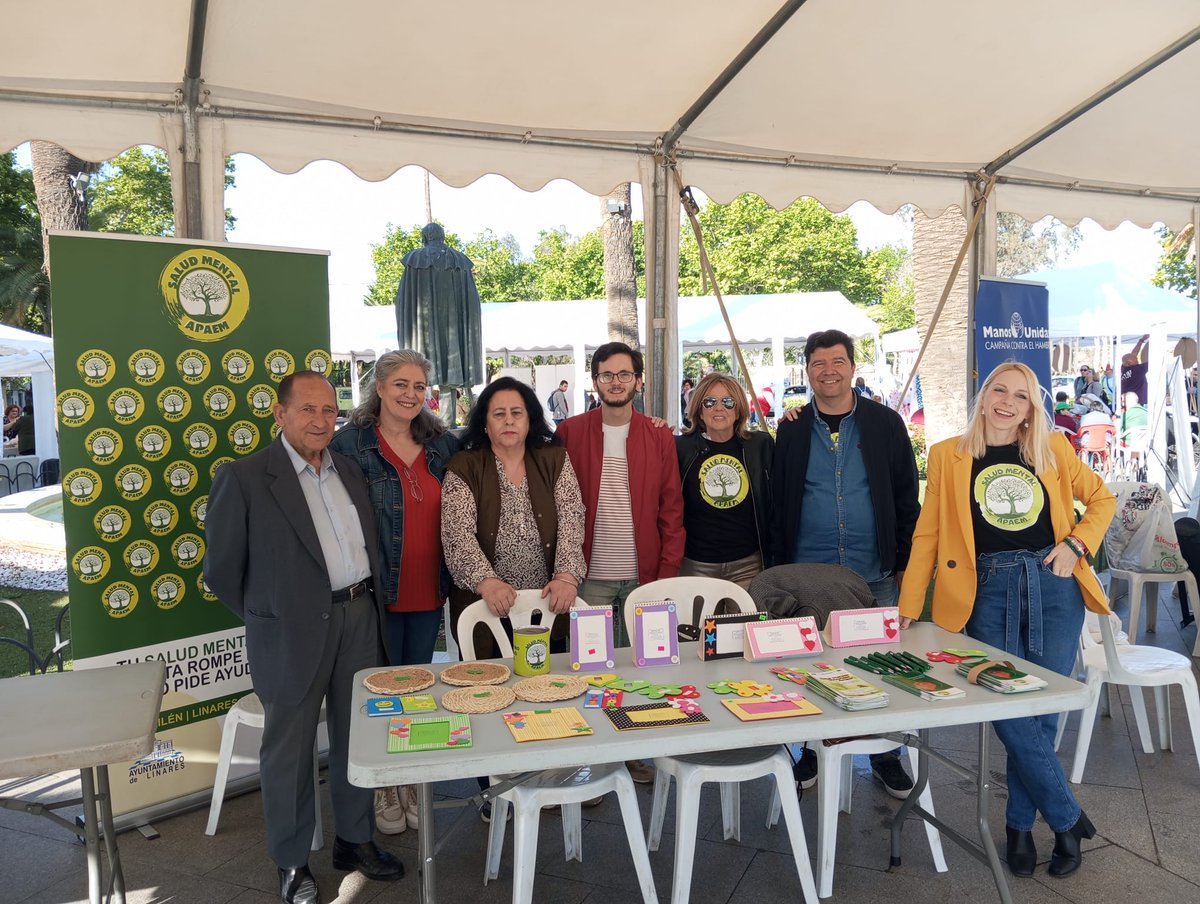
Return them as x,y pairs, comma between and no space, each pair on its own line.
629,474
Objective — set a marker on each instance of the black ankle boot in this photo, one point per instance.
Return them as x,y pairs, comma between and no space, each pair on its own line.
1022,855
1067,856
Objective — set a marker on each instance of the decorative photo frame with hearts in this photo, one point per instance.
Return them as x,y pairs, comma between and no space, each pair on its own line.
782,638
592,639
859,627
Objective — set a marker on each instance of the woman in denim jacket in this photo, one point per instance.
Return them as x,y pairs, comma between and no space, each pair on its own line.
402,448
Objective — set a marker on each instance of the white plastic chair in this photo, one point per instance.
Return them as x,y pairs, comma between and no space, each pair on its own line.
567,788
728,767
248,711
835,768
1145,584
1135,666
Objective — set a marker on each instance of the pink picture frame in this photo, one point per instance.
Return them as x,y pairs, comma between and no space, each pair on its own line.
859,627
782,638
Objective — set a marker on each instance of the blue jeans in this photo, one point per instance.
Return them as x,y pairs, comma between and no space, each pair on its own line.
411,636
610,593
1026,610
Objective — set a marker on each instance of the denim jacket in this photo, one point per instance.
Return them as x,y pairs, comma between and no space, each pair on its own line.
386,490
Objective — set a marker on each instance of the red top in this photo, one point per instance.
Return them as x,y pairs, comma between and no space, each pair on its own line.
421,553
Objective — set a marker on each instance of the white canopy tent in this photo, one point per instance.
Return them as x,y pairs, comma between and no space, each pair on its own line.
895,103
578,327
29,354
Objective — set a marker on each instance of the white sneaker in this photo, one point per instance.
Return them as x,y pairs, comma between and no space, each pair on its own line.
408,796
389,812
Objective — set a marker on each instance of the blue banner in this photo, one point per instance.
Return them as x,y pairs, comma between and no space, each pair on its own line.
1012,323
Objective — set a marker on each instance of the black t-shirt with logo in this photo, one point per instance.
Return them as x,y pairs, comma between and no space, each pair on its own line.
1010,508
833,421
718,512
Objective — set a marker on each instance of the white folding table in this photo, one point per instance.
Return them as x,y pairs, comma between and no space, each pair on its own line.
81,720
494,751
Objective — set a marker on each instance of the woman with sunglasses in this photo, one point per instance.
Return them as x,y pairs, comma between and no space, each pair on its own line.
726,472
403,448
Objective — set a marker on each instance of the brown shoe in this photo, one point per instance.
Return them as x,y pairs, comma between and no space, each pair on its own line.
641,771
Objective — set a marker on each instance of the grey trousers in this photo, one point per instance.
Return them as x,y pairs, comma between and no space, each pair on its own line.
740,571
289,732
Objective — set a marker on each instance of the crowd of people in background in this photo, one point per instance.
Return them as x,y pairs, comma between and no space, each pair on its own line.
395,513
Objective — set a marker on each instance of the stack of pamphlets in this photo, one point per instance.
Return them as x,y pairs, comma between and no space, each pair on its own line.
925,686
1002,677
843,688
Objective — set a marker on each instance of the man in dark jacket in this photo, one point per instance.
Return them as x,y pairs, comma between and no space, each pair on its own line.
845,482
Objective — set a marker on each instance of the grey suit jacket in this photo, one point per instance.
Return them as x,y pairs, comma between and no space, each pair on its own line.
264,561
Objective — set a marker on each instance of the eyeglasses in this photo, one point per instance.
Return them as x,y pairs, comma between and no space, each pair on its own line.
727,403
606,377
413,486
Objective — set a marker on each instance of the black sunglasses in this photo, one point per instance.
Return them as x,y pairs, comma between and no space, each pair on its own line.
727,402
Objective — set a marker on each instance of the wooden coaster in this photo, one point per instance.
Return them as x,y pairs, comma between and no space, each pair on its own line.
548,688
470,674
478,699
403,680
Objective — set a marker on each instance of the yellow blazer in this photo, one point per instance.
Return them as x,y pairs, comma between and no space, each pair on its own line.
944,539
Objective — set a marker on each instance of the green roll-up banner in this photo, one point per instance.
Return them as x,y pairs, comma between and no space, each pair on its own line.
168,354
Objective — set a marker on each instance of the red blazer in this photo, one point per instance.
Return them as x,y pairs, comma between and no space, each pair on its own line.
655,496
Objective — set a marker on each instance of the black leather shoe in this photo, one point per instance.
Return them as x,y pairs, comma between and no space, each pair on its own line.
1067,856
297,886
368,859
1021,855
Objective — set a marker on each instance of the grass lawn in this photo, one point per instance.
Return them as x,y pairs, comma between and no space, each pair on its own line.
41,608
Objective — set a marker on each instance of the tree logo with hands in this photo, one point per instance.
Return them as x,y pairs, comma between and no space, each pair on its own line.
205,293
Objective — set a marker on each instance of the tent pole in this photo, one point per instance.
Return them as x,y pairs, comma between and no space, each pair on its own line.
191,225
980,205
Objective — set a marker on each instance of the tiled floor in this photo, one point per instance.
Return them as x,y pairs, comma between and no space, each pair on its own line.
1145,806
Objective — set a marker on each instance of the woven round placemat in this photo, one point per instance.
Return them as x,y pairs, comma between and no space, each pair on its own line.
473,700
470,674
547,688
403,680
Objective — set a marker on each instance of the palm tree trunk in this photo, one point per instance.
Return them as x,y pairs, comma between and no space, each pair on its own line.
620,279
936,243
59,204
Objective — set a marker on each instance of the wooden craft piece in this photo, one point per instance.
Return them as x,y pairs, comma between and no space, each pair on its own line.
403,680
472,674
478,699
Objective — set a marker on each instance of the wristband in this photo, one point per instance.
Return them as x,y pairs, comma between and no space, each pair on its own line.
1069,542
565,581
1082,545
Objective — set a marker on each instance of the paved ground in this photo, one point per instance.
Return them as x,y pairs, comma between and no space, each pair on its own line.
1145,806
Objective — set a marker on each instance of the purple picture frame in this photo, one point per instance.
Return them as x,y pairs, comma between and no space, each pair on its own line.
594,663
666,653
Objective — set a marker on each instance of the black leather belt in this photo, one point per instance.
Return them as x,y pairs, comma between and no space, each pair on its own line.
353,592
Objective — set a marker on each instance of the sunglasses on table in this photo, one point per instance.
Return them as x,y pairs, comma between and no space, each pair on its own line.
727,402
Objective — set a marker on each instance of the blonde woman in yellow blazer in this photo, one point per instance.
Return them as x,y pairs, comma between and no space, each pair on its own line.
998,528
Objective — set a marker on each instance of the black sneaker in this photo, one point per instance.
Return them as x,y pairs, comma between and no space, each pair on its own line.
485,812
890,772
805,770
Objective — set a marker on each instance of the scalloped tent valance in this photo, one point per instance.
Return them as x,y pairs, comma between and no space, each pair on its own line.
887,102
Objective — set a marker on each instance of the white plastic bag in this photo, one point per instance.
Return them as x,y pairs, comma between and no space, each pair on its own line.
1142,536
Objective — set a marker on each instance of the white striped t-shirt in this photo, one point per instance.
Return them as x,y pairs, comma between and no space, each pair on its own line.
614,554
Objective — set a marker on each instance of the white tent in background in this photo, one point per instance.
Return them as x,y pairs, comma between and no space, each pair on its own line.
24,354
753,96
578,327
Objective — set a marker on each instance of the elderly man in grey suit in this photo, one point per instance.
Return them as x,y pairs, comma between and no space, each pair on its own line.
291,549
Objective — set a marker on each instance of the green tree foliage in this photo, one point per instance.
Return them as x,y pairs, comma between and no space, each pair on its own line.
755,249
500,272
569,268
24,292
1024,247
132,194
388,256
1177,266
892,265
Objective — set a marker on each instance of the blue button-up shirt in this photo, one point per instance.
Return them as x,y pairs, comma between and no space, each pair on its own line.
335,518
837,521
